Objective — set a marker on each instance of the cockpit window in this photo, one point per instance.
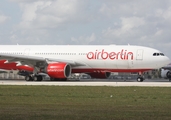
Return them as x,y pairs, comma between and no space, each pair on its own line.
154,54
158,54
161,54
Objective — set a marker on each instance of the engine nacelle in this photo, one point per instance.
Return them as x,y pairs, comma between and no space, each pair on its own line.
58,70
102,75
166,74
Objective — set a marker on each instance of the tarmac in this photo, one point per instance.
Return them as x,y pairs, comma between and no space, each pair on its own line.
92,82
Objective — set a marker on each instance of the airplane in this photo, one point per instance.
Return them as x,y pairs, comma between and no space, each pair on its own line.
59,61
166,72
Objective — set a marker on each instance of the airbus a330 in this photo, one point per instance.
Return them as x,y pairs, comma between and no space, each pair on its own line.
59,61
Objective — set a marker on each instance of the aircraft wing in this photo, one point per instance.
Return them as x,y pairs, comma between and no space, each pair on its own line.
34,60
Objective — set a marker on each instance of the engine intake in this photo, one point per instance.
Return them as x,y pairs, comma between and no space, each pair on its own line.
58,70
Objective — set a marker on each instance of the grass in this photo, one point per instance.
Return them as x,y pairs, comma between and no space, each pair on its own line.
62,102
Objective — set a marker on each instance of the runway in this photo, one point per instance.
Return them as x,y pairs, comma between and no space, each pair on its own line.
114,83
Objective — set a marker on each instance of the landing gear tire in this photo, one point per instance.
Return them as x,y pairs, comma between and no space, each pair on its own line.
38,78
140,79
28,78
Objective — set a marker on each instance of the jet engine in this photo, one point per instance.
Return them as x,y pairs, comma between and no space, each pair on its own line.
58,70
102,75
166,74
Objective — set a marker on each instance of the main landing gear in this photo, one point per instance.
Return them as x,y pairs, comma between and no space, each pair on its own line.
40,78
34,78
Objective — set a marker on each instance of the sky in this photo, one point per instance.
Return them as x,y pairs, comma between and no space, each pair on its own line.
87,22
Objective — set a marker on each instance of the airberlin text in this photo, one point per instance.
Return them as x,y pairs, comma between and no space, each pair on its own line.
103,55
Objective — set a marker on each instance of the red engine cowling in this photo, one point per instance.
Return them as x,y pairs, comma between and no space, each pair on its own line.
101,75
58,70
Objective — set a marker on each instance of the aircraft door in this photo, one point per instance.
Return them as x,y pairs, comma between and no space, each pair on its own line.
139,55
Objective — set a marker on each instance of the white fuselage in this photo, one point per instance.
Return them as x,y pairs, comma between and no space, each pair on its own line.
112,58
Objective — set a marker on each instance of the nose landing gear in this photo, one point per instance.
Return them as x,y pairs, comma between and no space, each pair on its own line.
140,77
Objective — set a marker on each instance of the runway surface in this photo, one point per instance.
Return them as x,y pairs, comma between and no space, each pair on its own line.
96,82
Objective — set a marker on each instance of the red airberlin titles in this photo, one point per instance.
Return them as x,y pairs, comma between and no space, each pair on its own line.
122,55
